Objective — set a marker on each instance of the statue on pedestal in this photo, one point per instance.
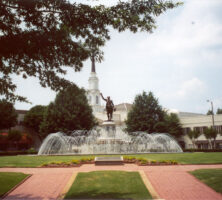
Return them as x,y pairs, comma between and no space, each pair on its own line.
109,107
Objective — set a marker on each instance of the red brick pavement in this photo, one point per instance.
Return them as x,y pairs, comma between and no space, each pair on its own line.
170,182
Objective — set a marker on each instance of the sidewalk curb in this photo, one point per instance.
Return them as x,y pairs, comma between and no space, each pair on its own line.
148,185
67,186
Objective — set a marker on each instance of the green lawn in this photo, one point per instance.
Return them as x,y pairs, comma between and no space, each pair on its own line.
183,158
8,180
187,158
108,184
211,177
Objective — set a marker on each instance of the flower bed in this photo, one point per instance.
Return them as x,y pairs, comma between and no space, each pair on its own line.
145,162
127,159
72,163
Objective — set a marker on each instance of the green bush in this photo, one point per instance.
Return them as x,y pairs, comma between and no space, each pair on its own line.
75,162
174,162
44,165
14,135
130,158
56,163
66,163
143,161
164,161
87,159
153,161
31,150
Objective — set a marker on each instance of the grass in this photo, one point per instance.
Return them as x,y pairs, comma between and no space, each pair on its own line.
186,158
211,177
8,180
183,158
109,185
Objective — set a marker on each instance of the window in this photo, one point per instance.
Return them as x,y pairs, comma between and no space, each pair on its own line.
186,130
218,129
97,100
200,129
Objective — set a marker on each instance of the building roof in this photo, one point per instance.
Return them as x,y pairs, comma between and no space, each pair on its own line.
21,111
123,107
189,114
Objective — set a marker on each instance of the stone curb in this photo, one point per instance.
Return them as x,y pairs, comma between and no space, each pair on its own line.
148,185
67,186
7,193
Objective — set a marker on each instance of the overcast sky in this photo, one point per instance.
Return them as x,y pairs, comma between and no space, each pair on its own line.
181,62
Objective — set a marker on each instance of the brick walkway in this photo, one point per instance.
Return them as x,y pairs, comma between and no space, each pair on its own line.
170,182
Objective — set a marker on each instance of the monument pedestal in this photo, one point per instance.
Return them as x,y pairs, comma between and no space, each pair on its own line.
110,128
117,160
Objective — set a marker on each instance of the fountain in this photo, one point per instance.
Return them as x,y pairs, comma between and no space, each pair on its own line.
108,139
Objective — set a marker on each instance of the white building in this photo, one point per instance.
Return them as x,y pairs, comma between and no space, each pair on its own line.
199,122
189,121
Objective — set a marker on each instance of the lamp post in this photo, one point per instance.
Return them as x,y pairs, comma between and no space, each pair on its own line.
212,110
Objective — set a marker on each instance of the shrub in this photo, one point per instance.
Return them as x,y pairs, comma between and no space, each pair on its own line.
142,161
164,161
92,158
129,158
83,160
66,163
174,162
44,165
14,135
75,162
31,150
153,161
56,162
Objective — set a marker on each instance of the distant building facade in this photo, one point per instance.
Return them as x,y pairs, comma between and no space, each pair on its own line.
199,123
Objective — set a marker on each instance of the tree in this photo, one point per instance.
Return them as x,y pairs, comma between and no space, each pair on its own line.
170,124
209,112
211,134
193,135
70,111
145,113
34,117
14,135
41,38
219,111
173,125
8,115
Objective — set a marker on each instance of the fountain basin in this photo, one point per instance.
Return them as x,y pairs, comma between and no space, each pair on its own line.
117,160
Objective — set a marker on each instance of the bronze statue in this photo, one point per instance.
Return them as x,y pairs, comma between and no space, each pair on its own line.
109,107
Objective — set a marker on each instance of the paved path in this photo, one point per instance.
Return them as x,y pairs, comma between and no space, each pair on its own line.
170,182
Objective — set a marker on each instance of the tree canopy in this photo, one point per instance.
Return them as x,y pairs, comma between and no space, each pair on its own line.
14,135
219,111
8,115
145,113
148,116
211,134
193,135
34,117
171,124
209,112
40,38
70,111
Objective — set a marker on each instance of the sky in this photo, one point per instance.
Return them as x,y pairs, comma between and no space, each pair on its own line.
180,62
